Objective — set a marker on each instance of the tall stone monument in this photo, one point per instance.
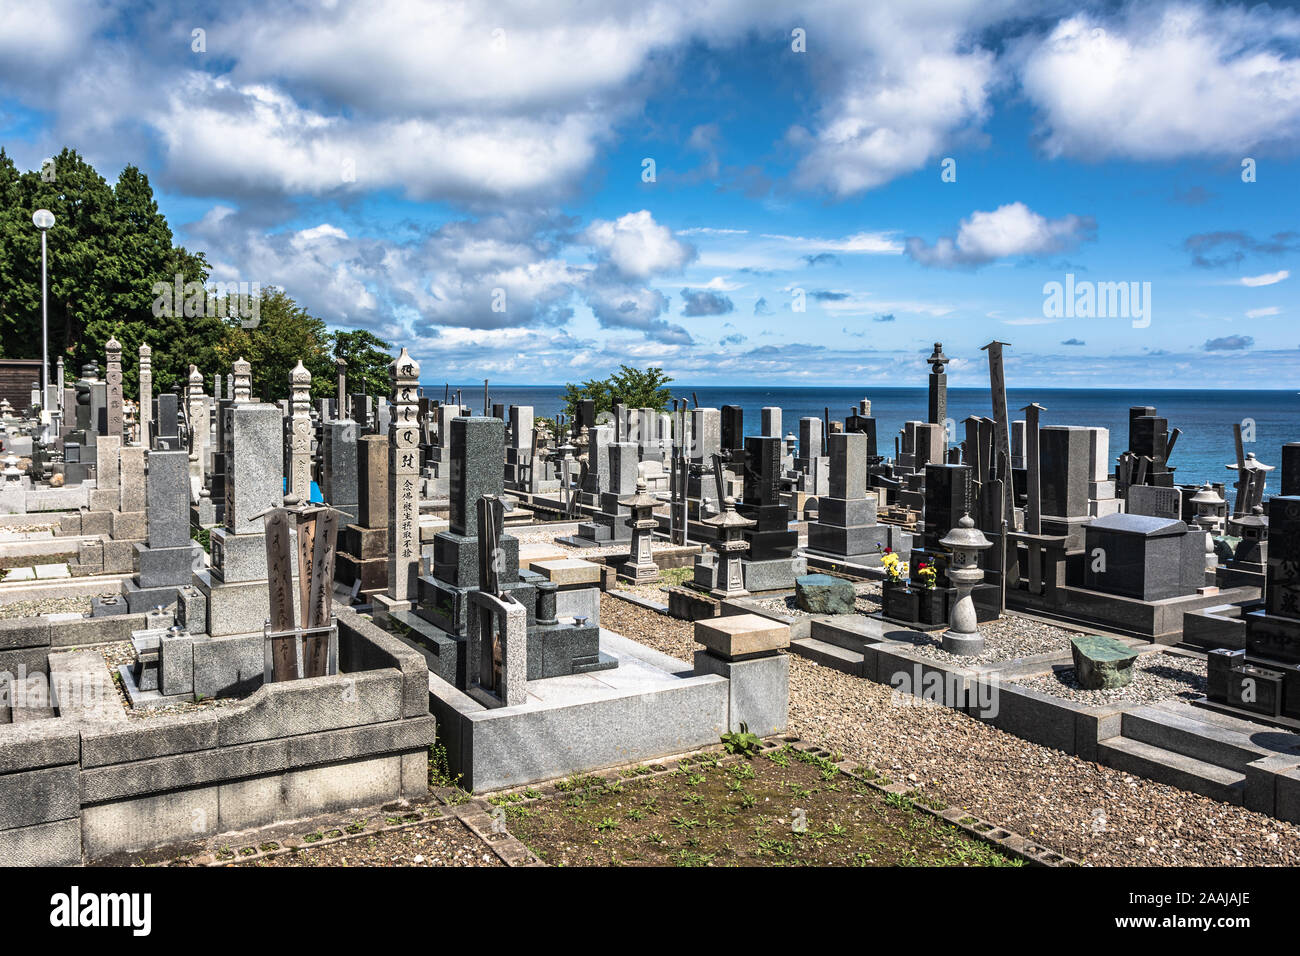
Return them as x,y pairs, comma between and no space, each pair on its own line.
300,433
403,481
146,394
113,378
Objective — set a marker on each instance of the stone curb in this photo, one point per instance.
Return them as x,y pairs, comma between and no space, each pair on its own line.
638,601
347,832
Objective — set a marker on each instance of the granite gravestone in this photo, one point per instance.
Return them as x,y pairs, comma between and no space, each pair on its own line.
339,467
846,525
1142,557
403,475
1155,502
363,553
166,558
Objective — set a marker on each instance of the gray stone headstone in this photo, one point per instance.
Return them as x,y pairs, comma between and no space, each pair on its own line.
810,438
133,496
339,466
372,481
622,468
254,465
848,465
168,498
521,426
1064,452
168,424
771,420
1154,502
478,468
706,433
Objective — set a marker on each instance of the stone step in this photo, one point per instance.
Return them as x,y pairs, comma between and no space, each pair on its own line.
1177,770
828,655
852,633
1204,735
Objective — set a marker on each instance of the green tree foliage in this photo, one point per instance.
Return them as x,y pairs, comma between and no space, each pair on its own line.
115,271
108,248
283,334
636,388
368,357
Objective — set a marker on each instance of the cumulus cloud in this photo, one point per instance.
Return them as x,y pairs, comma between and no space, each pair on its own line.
892,116
636,247
1184,80
1074,342
1010,230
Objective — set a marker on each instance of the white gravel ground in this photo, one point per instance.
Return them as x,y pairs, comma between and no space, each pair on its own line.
1005,639
1155,677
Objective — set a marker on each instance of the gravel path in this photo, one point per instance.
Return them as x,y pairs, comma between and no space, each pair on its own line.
68,605
1155,677
440,843
1092,813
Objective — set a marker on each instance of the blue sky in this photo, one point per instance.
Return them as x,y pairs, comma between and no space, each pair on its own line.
469,180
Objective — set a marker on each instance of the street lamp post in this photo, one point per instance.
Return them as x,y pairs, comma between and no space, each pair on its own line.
43,220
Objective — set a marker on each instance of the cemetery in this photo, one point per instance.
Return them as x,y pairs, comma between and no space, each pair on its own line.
220,614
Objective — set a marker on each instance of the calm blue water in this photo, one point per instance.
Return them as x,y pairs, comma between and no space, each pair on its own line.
1206,417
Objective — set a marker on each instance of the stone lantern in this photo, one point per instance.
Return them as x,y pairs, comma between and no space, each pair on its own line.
640,567
1251,552
965,543
729,580
1208,511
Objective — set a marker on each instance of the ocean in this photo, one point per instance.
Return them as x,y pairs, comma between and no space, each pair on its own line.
1206,417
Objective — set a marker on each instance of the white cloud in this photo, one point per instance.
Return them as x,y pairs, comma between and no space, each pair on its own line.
1269,278
1263,313
892,118
1010,230
283,147
637,247
856,304
1184,80
716,284
873,243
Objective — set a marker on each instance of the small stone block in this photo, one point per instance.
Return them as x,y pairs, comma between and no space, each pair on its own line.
1102,663
568,571
742,635
824,594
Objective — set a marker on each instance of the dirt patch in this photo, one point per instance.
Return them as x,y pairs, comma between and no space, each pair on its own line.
783,807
